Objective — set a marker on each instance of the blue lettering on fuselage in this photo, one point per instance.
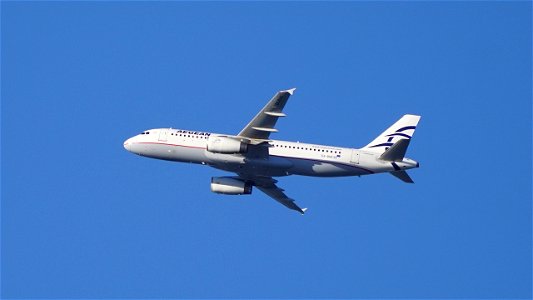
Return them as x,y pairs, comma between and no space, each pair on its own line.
193,132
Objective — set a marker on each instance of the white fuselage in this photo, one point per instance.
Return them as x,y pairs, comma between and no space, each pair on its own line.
284,158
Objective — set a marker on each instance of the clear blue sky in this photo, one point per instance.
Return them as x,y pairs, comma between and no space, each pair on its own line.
81,217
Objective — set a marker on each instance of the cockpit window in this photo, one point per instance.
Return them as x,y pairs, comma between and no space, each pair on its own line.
146,132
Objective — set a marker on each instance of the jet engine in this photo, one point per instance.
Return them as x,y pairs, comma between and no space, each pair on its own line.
230,186
220,144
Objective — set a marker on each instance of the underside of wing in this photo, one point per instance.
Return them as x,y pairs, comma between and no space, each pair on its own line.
262,125
268,186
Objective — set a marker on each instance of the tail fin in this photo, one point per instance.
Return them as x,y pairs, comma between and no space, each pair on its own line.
401,130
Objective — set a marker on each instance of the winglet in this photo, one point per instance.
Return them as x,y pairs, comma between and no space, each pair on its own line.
290,91
303,211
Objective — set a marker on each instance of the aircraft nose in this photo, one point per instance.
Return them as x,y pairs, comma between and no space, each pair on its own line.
127,144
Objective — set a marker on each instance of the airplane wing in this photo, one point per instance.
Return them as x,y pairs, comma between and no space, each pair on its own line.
263,123
268,186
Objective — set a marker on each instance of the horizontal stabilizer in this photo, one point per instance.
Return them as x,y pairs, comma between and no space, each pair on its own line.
397,151
403,176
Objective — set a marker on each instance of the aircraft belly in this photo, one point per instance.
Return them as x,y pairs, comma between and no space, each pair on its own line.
193,155
318,168
272,166
220,158
172,153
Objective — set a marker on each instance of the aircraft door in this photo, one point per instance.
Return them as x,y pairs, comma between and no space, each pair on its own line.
163,135
355,157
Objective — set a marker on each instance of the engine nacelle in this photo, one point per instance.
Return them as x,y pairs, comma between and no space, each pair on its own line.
220,144
230,186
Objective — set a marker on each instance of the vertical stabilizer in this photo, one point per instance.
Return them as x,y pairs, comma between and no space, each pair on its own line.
402,129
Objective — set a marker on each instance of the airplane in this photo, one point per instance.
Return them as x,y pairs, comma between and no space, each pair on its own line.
256,159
